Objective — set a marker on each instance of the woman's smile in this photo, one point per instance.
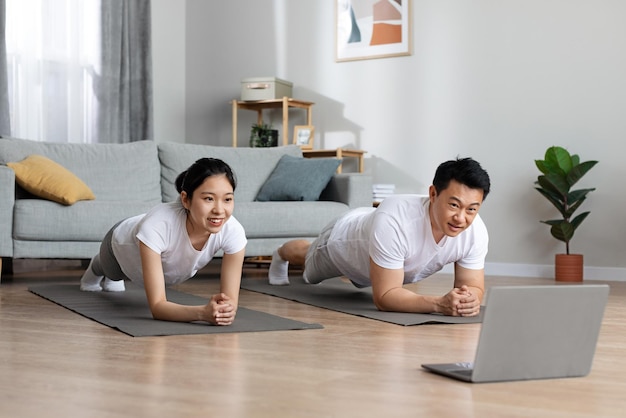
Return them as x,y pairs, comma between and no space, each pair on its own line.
216,221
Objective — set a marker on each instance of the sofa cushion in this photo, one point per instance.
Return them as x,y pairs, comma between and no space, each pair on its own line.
116,172
252,166
286,219
87,220
46,179
298,179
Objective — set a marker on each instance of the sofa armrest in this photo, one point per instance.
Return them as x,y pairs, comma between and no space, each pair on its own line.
353,189
7,201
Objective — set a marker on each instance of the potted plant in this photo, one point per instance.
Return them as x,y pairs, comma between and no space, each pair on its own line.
560,171
262,135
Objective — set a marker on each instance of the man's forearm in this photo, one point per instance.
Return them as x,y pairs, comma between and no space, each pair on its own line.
404,300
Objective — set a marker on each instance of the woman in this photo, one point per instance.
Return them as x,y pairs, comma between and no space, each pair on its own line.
170,243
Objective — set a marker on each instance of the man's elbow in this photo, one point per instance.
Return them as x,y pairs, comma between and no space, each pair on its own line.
157,315
380,304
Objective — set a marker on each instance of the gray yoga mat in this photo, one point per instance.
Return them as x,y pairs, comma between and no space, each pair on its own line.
129,313
337,295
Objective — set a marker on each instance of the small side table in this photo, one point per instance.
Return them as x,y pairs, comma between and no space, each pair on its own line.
285,103
337,153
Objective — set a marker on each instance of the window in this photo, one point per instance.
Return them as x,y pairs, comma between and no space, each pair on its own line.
52,57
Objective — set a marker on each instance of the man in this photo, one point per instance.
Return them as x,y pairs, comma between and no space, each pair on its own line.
406,239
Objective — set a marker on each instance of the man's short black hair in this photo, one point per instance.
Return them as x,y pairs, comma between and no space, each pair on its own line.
465,171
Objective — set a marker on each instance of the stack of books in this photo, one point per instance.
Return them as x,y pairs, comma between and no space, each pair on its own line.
381,191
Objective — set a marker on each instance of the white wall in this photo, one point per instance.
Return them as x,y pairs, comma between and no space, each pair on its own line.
499,81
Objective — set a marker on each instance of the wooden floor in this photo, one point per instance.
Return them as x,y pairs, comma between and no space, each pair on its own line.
55,363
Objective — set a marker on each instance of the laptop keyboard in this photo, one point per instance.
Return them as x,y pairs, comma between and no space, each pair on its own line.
465,365
464,369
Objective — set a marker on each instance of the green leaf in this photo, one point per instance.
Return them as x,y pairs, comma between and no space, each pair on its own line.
553,222
576,195
555,182
558,157
541,166
578,220
578,171
563,231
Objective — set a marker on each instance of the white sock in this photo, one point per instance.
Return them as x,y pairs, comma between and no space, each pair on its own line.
279,270
113,285
90,282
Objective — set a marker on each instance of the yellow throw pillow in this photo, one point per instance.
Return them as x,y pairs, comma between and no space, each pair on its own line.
46,179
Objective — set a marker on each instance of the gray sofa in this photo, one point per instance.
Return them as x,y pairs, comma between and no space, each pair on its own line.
128,179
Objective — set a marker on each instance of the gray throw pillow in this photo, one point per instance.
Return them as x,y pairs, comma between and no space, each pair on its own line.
296,178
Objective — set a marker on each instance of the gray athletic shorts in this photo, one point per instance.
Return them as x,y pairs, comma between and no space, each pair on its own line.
317,265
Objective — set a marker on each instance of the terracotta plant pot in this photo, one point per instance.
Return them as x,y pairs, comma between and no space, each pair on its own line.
568,267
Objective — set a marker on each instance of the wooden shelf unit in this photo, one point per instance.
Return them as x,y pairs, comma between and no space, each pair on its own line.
285,103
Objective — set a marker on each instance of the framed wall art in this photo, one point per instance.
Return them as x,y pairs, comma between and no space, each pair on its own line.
367,29
303,136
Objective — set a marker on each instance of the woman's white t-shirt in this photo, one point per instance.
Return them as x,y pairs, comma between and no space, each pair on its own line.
163,230
398,235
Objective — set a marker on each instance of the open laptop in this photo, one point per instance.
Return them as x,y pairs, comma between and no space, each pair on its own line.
534,332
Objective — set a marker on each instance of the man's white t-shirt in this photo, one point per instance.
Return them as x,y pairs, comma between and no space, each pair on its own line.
398,235
163,230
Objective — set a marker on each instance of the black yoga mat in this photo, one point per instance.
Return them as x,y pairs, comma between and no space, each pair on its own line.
129,312
337,295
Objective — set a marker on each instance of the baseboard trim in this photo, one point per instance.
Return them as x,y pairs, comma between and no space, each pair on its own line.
546,271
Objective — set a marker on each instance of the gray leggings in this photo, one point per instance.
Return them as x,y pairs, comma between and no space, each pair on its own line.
104,263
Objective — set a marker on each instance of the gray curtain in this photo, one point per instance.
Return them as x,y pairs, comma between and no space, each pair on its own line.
5,122
124,86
